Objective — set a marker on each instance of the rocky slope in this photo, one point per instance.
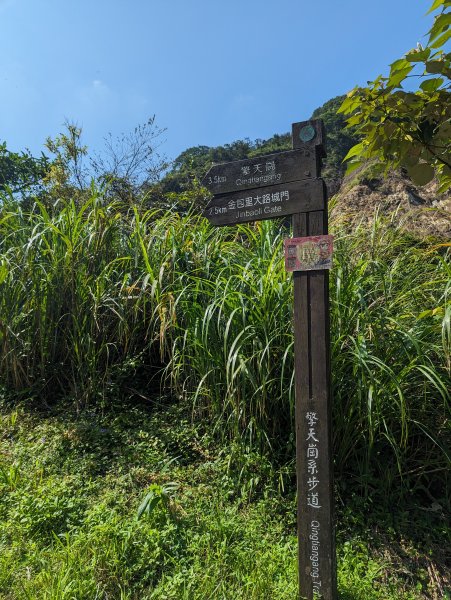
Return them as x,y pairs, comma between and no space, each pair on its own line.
422,211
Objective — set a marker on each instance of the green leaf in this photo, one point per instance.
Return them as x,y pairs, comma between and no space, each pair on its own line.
421,173
436,5
431,85
3,272
444,131
350,103
441,41
441,24
400,65
353,165
413,101
149,503
432,312
356,150
398,76
411,157
436,66
418,55
445,184
354,120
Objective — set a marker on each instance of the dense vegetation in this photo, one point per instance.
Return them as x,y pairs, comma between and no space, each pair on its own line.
20,171
146,371
103,308
136,502
92,299
193,163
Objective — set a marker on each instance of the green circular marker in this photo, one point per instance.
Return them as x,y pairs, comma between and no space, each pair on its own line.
307,133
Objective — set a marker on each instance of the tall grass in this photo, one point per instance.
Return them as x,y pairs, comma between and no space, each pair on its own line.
391,375
92,296
65,320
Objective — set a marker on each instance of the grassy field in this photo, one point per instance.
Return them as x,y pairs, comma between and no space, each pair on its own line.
146,360
138,503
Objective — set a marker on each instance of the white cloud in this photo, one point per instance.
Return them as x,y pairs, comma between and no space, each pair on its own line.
98,97
95,91
242,101
98,85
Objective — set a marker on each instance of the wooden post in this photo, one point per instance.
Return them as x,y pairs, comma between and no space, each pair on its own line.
316,535
268,187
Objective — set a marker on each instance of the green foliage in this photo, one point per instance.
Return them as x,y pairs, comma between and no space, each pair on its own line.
125,169
73,289
410,129
213,540
193,163
384,348
129,168
95,302
277,143
156,495
21,172
67,175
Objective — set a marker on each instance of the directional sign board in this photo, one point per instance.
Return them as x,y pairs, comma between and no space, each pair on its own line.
266,203
261,171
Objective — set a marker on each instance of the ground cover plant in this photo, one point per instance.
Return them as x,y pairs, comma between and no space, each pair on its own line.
102,306
136,502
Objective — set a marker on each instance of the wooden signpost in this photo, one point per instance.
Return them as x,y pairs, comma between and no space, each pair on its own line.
268,187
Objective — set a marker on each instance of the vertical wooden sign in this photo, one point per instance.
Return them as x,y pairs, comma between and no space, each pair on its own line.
316,531
267,187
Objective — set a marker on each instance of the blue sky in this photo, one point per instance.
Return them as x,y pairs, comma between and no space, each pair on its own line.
212,72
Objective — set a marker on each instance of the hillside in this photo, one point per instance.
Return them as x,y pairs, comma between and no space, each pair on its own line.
194,162
421,210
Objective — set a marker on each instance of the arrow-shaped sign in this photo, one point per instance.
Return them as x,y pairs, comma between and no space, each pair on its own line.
267,203
261,171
